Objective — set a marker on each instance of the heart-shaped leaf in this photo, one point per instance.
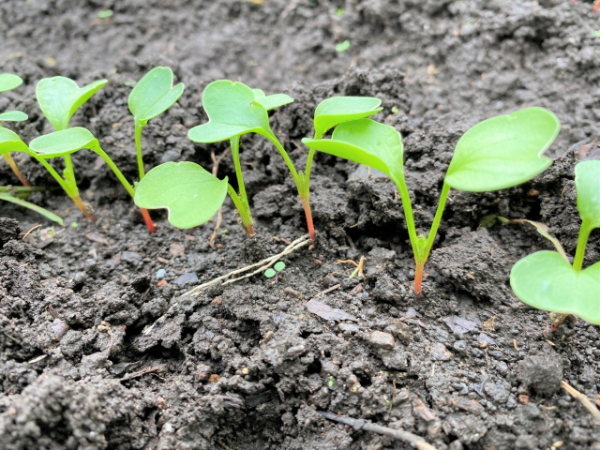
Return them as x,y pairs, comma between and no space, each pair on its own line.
154,94
272,101
335,110
11,142
13,116
587,181
232,111
9,81
503,151
191,195
63,142
60,97
366,142
546,281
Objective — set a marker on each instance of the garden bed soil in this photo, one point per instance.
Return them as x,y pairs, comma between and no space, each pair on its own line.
101,348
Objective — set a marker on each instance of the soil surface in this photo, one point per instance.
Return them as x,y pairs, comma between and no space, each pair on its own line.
99,346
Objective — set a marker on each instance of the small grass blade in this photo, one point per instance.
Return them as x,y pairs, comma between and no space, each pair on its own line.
38,209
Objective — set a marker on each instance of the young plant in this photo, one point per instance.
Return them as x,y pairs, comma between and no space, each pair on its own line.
191,194
10,141
498,153
151,97
64,143
274,271
234,110
546,280
59,98
8,82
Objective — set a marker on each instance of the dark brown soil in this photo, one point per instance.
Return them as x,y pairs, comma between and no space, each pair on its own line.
97,350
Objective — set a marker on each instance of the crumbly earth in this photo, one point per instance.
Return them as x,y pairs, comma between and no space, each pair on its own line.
101,348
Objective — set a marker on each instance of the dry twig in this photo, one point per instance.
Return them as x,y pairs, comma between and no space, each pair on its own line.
586,402
262,265
360,424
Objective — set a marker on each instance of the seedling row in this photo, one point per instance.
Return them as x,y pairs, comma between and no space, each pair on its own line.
497,153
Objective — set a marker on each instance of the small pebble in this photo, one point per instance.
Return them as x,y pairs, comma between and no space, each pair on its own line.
440,353
380,339
189,277
160,273
348,327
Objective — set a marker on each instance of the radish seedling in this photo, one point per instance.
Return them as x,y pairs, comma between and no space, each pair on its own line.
274,271
8,82
546,280
497,153
63,143
191,194
150,97
59,98
9,142
234,110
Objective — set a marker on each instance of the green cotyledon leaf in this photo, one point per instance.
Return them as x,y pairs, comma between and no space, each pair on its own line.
272,101
63,142
154,94
503,151
13,116
11,142
9,81
587,182
60,97
232,110
190,194
546,281
366,142
336,110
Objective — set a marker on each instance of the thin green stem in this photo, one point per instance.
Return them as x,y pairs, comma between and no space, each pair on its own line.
138,148
309,161
436,222
235,153
95,147
69,172
584,234
299,180
408,212
243,210
71,190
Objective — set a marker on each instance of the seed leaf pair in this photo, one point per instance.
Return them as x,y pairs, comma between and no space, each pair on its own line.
233,110
60,97
494,154
546,281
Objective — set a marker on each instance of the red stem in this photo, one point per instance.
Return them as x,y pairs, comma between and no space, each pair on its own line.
148,220
419,268
309,219
13,165
85,209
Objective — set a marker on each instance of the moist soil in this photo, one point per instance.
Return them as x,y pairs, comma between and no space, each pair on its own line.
100,347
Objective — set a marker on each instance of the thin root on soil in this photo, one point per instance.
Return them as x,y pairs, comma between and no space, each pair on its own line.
262,265
360,424
586,402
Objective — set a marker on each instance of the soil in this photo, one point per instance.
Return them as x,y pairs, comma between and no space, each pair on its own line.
99,346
